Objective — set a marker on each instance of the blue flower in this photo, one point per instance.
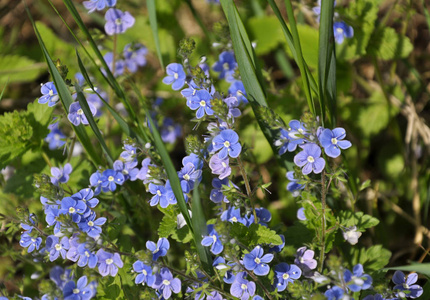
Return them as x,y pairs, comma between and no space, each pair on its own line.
255,261
30,242
55,137
119,64
55,247
159,192
158,250
144,171
95,100
286,142
407,284
228,141
170,131
129,153
189,176
293,186
61,175
310,159
165,283
226,65
86,195
108,263
242,288
51,218
127,169
134,57
263,216
191,90
357,281
92,5
50,94
232,215
297,131
284,274
305,261
117,21
194,159
232,104
81,254
375,297
278,248
175,76
216,194
79,291
332,141
110,178
341,31
92,226
202,102
74,208
237,89
76,114
213,239
335,293
219,166
145,273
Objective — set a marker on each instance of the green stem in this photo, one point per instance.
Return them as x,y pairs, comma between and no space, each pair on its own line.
247,186
47,160
323,203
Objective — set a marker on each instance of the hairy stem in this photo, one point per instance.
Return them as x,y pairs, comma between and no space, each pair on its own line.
247,186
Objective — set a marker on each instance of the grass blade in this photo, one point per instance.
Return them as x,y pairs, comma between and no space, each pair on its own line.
327,64
4,89
152,11
66,98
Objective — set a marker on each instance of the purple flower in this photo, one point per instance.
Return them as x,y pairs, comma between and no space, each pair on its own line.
86,195
170,131
175,76
110,178
55,247
213,239
119,64
201,102
96,181
30,242
50,94
407,284
76,114
342,31
310,159
242,288
145,273
226,65
255,261
61,175
237,89
82,255
194,159
165,283
134,57
79,291
228,141
117,21
108,263
159,192
216,194
51,218
293,186
144,171
158,250
220,167
305,261
188,176
127,169
357,281
335,293
55,137
263,216
332,141
92,5
285,273
232,104
191,90
92,226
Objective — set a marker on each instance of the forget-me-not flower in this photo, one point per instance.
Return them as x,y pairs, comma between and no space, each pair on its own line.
310,159
213,240
257,262
108,263
117,21
93,5
357,280
228,141
61,175
76,114
158,250
226,66
341,31
404,283
144,273
284,274
50,94
57,247
166,284
242,288
333,141
220,167
201,102
175,76
79,291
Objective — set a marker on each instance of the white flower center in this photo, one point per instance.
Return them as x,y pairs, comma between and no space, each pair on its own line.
76,291
300,130
109,261
406,286
166,282
226,66
186,177
58,247
90,223
285,276
111,178
71,210
243,286
226,144
194,92
175,75
203,103
56,136
80,111
311,159
118,21
224,165
339,30
144,272
51,93
87,254
334,141
33,240
214,238
257,260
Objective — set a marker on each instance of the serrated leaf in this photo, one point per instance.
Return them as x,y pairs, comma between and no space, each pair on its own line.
14,68
359,219
372,259
388,44
255,234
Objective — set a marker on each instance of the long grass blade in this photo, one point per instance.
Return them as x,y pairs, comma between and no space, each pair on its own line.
152,11
66,98
4,89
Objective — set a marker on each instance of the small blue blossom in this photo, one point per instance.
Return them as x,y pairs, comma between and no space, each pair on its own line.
293,186
158,250
81,254
170,131
257,262
189,176
144,274
160,195
232,104
194,159
119,64
237,89
144,171
93,5
191,90
226,66
335,293
216,194
357,281
228,141
404,283
92,226
51,218
310,159
341,31
232,215
50,94
95,100
86,195
129,153
117,21
278,248
55,137
74,208
287,143
242,288
96,181
297,131
175,76
166,284
108,263
110,178
213,240
375,297
127,169
134,57
201,102
263,216
55,247
284,274
76,114
305,261
332,141
79,291
29,242
219,166
61,175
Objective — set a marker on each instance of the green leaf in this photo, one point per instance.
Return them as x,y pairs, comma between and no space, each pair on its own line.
387,44
14,68
266,33
150,4
348,218
414,267
255,234
168,227
372,259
